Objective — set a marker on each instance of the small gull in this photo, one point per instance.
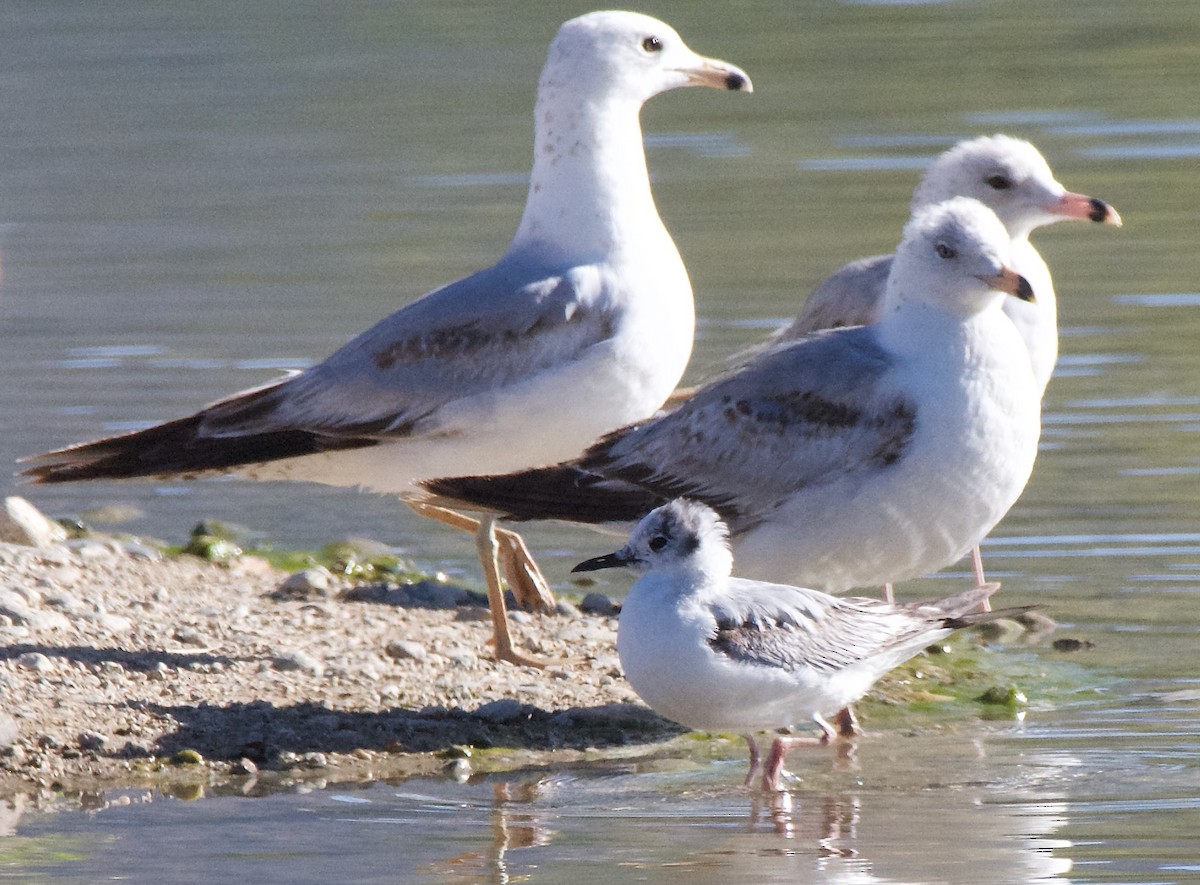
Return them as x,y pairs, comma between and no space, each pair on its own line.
848,458
719,653
584,325
1012,178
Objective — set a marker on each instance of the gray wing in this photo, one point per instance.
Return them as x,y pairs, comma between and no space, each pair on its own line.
804,413
501,325
778,626
852,296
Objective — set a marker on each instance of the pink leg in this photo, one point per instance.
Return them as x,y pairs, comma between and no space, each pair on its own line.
888,595
754,758
980,580
772,778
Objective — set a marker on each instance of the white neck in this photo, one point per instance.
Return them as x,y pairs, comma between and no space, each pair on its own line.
589,191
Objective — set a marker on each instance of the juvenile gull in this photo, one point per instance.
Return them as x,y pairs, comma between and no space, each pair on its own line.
848,458
585,324
719,653
1012,178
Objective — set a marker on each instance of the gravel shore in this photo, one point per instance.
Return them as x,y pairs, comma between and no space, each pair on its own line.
117,663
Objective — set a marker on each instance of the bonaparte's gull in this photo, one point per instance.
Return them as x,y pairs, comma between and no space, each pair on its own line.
719,653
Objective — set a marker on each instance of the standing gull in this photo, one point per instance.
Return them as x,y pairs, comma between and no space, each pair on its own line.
585,324
848,458
1012,178
719,653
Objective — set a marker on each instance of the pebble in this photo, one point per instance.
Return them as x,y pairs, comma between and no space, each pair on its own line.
506,710
189,635
598,604
295,659
306,584
14,607
22,523
404,648
91,741
8,731
35,661
244,766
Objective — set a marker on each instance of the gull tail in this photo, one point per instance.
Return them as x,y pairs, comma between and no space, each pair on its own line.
563,491
207,443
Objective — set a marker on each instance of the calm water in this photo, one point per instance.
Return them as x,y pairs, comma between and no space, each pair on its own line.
196,196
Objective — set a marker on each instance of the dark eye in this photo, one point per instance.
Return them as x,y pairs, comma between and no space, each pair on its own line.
658,542
945,251
652,44
998,182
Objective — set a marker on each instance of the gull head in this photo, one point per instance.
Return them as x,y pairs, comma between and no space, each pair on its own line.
954,256
1012,178
680,536
626,55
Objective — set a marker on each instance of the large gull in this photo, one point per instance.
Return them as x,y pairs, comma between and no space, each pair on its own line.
1012,178
584,325
847,458
721,653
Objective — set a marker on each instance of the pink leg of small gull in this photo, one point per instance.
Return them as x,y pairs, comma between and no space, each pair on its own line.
773,773
888,595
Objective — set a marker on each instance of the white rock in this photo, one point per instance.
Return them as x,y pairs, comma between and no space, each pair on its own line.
17,610
402,648
22,523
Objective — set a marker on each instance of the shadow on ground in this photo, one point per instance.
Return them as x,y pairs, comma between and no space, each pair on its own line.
262,731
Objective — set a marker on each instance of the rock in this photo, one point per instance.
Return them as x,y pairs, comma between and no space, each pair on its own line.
314,760
35,661
8,731
598,604
403,648
566,609
140,551
244,766
306,584
1069,644
66,602
189,636
1036,622
506,710
187,757
22,523
298,660
431,594
15,607
1002,630
91,741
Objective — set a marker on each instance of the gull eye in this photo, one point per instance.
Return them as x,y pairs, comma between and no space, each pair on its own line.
658,542
998,182
945,251
652,44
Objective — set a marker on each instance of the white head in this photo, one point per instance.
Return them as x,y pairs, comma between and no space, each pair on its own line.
680,536
954,256
625,56
1013,179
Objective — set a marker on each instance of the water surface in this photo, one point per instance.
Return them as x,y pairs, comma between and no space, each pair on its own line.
195,197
